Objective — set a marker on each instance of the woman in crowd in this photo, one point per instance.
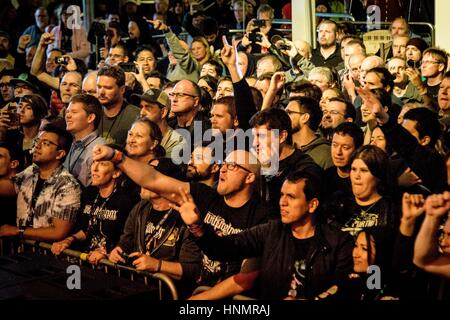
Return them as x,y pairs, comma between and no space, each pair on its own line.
156,239
144,141
370,204
104,209
373,247
70,37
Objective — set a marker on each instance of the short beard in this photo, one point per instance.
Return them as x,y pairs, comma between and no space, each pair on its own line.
327,46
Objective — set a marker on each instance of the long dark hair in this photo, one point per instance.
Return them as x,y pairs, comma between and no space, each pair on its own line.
377,162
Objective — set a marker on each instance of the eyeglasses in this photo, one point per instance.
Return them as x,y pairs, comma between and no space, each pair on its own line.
289,112
429,61
233,166
332,112
5,84
181,95
45,142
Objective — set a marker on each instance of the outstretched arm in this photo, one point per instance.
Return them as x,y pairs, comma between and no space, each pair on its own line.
426,251
37,67
142,174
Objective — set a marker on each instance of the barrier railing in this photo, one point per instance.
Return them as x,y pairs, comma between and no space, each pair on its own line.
423,24
238,297
160,277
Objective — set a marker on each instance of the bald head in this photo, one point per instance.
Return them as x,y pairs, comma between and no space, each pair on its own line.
89,85
245,159
368,64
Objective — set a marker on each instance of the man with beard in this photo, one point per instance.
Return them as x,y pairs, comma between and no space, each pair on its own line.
6,88
336,112
36,30
118,115
5,45
305,117
202,167
48,196
234,207
328,53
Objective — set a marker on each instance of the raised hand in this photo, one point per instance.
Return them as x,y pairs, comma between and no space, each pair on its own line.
46,39
292,52
370,100
24,40
437,205
277,81
413,206
159,25
187,208
265,43
415,78
228,53
102,152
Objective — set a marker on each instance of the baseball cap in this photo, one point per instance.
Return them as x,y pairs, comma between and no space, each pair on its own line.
26,79
154,96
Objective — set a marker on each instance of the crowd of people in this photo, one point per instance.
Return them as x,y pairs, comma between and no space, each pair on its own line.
241,161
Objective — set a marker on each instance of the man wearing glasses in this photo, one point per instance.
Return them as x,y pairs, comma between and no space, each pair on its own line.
234,207
432,68
305,114
6,88
185,103
48,196
336,112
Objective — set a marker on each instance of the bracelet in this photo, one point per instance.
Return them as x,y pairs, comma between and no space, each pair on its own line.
118,157
158,266
73,238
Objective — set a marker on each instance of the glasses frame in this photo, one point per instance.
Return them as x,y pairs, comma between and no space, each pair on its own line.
233,166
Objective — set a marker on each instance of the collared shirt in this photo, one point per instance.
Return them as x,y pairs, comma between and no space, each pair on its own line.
79,158
170,141
58,199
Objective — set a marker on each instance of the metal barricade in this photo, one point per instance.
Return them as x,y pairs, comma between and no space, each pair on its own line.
36,247
423,24
237,297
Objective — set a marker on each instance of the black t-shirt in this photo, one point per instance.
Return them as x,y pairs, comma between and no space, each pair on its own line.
297,287
333,182
9,210
433,91
224,220
365,217
163,232
297,161
103,219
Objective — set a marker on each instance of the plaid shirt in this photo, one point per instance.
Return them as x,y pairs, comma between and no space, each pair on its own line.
59,197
